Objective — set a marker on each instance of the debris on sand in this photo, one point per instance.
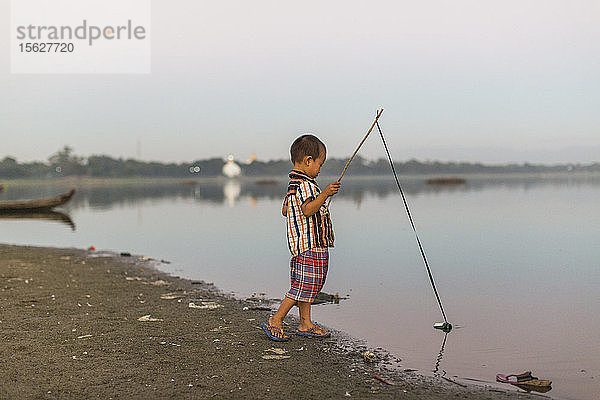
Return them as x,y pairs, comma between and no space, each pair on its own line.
171,296
368,356
206,305
274,357
382,380
159,282
279,354
148,318
84,336
276,350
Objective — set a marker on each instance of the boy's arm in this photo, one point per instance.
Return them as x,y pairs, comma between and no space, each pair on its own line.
311,207
284,207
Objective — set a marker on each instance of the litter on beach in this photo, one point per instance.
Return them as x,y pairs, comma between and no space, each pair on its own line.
160,282
148,318
171,296
206,305
275,357
219,329
84,336
279,354
276,350
369,356
382,380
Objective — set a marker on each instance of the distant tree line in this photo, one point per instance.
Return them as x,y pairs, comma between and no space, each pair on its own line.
66,163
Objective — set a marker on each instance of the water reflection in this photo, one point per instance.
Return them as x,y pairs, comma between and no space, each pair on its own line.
43,215
231,191
439,357
109,194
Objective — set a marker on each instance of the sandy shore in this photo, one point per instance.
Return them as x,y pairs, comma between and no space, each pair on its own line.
70,328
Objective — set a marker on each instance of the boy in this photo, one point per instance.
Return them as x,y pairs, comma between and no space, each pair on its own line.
309,234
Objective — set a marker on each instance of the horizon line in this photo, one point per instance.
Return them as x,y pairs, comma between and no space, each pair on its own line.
369,160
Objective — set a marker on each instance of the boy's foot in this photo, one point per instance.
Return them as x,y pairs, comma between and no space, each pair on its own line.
316,332
273,332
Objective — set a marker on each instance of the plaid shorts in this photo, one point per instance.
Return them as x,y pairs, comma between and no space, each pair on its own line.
308,271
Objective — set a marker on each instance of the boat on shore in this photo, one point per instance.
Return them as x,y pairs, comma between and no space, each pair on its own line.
35,205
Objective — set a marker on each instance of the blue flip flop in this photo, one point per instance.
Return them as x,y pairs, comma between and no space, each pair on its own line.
274,333
312,332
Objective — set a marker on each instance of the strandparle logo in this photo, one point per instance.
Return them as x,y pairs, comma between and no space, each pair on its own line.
80,36
85,31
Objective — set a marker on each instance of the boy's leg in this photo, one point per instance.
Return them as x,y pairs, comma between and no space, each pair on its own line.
305,321
285,306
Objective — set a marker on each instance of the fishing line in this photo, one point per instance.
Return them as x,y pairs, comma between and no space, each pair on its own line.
446,325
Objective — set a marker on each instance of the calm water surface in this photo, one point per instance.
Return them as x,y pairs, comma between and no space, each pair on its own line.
516,261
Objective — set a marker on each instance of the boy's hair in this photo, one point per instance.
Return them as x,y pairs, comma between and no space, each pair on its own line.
306,145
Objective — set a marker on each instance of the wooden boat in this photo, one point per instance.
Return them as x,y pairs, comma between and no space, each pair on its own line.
446,180
33,205
266,182
189,183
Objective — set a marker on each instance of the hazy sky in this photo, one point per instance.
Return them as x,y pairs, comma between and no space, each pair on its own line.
491,81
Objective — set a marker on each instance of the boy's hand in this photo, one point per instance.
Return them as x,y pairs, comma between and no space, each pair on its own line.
332,188
311,207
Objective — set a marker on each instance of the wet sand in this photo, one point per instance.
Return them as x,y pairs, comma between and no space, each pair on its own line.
70,328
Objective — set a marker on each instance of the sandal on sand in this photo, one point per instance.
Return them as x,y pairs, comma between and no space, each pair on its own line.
274,333
515,378
526,382
312,332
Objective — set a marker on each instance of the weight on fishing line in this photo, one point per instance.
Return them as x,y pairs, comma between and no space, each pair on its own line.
443,326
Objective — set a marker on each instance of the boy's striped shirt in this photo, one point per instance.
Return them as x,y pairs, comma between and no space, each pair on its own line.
304,233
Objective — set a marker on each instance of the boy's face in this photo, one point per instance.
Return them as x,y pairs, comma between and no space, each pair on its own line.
312,166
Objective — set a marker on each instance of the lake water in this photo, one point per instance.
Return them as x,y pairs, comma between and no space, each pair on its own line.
516,261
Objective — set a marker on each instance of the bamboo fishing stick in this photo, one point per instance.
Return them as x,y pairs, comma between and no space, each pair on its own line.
356,151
